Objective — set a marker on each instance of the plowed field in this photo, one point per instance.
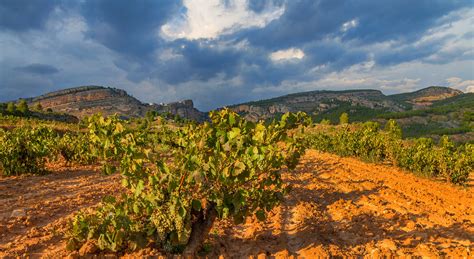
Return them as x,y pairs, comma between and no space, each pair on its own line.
337,207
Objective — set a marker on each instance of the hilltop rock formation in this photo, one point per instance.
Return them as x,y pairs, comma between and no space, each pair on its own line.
426,96
184,109
315,102
87,100
320,102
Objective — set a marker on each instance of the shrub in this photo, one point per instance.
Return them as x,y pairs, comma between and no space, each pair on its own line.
344,118
228,168
25,150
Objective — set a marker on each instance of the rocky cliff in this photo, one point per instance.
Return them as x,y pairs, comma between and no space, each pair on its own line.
352,101
87,100
426,96
184,109
360,104
316,102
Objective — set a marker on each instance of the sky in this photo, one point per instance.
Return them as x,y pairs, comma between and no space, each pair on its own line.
222,52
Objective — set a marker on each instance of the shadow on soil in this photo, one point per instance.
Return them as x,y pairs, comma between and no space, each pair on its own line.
352,235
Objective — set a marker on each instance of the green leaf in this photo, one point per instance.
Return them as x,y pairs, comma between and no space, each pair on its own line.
196,205
235,132
260,215
72,244
139,188
225,212
239,167
181,212
136,209
231,119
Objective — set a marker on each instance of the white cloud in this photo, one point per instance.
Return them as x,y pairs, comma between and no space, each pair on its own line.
349,25
207,19
454,80
457,46
463,85
287,54
339,81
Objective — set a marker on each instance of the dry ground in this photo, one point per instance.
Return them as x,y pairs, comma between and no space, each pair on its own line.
338,207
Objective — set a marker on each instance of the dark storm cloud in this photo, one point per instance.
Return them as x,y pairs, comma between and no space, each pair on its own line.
199,62
335,54
23,15
302,22
24,81
317,28
126,34
38,69
403,20
202,62
406,53
128,27
308,20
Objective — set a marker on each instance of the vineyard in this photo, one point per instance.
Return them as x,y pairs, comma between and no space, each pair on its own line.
422,156
181,180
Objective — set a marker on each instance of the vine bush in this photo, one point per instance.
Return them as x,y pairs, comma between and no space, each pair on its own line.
225,168
25,150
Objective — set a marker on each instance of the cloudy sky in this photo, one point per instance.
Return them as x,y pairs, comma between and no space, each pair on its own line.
219,52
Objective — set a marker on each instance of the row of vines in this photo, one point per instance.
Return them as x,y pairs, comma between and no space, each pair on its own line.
28,149
180,179
422,156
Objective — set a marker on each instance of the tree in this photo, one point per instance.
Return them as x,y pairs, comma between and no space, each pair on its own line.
393,129
344,119
325,122
38,107
23,107
11,108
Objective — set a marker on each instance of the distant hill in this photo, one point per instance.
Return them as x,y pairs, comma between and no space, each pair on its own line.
363,104
318,103
426,96
87,100
451,116
432,111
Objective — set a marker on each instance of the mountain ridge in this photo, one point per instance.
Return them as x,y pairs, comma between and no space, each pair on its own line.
86,100
323,101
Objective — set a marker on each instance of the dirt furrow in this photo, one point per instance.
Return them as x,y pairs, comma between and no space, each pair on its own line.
345,207
36,208
337,207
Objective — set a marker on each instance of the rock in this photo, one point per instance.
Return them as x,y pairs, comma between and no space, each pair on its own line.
411,226
465,243
74,255
34,232
322,101
388,244
314,101
346,236
88,248
88,100
4,216
18,213
375,253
